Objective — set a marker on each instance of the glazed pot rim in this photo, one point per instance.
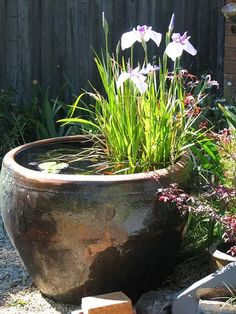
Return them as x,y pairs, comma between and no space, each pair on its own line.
10,162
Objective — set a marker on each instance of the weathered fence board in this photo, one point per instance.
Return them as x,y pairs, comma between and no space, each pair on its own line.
49,41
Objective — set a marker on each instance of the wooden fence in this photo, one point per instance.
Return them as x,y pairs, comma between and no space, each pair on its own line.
49,41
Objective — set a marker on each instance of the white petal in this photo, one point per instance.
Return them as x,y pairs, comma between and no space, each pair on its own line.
128,39
146,36
156,37
189,48
146,70
122,78
142,77
149,68
139,81
174,50
135,71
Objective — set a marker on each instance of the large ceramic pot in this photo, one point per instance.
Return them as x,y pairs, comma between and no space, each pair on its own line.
82,235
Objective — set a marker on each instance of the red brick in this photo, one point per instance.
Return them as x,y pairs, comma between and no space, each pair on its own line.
111,303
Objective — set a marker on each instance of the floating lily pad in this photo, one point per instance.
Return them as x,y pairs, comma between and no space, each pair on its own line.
52,166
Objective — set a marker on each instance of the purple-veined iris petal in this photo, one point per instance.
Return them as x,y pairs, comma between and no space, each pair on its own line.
175,48
142,30
142,33
183,38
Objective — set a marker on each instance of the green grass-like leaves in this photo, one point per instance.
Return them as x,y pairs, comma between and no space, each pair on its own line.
144,131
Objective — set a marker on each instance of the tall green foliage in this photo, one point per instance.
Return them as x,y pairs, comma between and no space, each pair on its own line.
147,117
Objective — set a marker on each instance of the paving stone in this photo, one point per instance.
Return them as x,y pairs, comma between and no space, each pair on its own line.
187,301
111,303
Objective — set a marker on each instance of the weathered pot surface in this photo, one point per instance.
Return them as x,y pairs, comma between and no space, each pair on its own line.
82,235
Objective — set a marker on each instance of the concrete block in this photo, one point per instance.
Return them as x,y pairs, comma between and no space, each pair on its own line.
187,301
111,303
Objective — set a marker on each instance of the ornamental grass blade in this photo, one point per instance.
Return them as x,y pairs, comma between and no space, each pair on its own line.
79,120
229,115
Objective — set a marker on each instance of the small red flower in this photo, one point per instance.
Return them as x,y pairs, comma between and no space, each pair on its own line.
232,251
189,100
203,125
163,199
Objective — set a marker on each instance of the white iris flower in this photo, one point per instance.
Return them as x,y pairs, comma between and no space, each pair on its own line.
180,43
141,34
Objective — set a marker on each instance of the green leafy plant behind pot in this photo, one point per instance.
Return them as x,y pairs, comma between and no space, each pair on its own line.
229,115
27,122
46,112
149,115
227,146
14,123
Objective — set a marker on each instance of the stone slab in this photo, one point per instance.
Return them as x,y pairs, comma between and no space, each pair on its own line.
111,303
187,301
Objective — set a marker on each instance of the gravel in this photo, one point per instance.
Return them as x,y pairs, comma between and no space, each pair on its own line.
18,295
